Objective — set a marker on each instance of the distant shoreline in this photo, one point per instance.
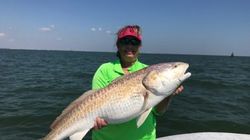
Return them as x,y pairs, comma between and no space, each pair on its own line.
146,53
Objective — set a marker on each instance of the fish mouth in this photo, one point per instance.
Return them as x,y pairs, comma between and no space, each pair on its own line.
184,77
185,74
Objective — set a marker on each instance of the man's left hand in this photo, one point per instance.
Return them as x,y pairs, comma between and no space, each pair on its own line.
178,90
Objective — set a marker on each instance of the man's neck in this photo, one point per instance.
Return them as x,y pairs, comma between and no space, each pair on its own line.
126,65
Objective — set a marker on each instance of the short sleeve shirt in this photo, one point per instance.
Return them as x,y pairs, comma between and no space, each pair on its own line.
104,75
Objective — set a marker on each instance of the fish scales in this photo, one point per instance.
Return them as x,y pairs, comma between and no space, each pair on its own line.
112,94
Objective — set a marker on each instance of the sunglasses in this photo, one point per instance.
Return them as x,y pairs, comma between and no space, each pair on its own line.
129,41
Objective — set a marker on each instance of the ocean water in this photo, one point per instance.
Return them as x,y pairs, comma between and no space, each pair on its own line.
35,86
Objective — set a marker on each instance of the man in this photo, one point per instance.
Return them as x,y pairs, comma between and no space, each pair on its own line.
129,42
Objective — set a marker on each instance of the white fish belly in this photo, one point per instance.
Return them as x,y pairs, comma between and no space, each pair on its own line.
123,110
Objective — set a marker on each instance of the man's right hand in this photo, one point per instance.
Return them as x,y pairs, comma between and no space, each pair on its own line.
99,123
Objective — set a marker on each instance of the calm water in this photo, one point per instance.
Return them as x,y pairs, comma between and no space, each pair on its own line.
35,86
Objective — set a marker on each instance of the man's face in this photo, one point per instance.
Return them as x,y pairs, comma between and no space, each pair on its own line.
129,48
128,53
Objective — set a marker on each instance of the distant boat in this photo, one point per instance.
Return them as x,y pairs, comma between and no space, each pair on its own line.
232,54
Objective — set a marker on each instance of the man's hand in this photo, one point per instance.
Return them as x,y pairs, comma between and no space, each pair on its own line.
99,123
178,90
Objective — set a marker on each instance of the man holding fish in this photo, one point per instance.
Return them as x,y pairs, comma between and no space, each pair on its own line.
129,42
127,96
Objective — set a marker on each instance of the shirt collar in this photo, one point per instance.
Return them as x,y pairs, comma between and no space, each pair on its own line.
118,67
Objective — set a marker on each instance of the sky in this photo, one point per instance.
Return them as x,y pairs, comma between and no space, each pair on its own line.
204,27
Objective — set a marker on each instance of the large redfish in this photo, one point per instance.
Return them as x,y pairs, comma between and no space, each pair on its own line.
128,97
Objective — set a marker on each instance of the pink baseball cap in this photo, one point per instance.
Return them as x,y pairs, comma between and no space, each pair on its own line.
130,31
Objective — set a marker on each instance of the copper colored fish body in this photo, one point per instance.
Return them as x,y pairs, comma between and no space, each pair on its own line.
128,97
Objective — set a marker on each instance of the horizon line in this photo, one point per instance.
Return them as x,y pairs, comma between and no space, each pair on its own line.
115,52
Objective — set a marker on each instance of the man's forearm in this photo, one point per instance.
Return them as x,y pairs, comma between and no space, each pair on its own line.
163,105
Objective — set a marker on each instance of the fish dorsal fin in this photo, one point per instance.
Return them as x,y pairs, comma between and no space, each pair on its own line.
79,99
78,135
70,106
118,78
141,119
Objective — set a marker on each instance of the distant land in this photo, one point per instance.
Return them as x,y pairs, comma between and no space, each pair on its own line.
115,52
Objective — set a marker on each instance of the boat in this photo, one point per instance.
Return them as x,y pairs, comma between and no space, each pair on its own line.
207,136
232,54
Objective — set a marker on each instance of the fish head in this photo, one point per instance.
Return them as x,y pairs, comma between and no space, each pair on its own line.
165,78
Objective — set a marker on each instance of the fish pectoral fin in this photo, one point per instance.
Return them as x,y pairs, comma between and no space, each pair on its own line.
78,135
143,117
145,95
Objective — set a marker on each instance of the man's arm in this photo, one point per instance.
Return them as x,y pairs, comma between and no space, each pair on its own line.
163,105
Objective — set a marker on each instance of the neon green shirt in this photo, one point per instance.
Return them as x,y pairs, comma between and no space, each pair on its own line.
105,74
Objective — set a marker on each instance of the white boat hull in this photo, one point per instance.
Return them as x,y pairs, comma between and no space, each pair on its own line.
207,136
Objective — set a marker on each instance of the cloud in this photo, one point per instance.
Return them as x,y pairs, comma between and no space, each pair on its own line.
52,26
100,29
47,29
93,29
96,29
108,32
2,34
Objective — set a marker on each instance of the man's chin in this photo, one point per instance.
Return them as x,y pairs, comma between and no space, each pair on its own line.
130,59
